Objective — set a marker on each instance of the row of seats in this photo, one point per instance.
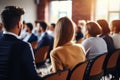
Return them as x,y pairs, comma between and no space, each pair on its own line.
93,69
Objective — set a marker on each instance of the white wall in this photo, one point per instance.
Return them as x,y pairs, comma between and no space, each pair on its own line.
28,5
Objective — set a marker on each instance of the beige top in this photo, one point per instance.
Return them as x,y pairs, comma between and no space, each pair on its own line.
67,56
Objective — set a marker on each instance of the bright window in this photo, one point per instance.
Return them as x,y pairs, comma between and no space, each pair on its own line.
107,9
59,9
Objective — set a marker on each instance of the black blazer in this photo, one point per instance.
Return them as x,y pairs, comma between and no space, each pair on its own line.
16,60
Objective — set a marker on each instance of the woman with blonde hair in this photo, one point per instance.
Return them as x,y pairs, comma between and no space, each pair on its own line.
65,54
93,44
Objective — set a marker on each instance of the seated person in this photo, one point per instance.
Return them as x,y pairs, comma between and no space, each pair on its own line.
30,37
16,56
66,54
23,32
93,45
50,30
79,35
45,39
116,33
105,35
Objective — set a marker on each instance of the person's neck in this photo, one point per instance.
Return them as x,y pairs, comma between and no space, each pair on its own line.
42,31
13,31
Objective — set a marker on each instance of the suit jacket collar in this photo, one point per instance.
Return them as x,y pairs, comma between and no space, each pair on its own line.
11,34
9,37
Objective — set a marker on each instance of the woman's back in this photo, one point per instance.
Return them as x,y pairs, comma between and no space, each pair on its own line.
67,56
94,46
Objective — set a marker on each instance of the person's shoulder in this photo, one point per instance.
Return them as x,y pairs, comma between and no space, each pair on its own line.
56,50
22,43
77,45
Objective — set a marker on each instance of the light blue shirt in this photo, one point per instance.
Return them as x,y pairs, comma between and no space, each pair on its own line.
94,46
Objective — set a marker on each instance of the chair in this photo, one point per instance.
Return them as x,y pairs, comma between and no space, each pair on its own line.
95,68
111,65
118,66
60,75
41,55
78,71
34,44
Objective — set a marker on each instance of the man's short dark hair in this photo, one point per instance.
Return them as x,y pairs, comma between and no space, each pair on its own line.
30,26
43,25
53,24
10,16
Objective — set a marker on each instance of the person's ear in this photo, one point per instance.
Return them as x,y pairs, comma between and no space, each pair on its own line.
19,25
86,34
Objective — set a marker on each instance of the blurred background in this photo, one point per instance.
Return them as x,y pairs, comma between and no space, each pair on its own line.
51,10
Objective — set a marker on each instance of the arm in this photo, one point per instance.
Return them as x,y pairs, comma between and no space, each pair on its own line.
29,64
56,62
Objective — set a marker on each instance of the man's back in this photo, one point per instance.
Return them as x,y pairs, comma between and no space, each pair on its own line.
16,60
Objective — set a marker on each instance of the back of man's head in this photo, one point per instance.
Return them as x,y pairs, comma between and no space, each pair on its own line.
43,25
53,25
30,26
10,16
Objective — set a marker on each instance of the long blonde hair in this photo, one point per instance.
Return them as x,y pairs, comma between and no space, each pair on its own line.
64,31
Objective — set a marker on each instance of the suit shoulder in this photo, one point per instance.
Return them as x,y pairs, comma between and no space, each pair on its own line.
20,42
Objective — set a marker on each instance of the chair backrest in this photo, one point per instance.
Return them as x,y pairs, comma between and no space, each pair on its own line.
78,71
41,54
60,75
112,62
96,66
34,44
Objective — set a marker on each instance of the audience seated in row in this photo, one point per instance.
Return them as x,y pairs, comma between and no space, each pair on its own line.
65,54
93,44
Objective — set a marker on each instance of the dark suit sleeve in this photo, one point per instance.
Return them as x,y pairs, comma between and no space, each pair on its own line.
29,65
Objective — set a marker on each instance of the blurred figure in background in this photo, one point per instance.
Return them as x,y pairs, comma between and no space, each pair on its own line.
82,24
50,30
36,30
115,29
45,39
93,44
79,35
106,35
30,37
23,33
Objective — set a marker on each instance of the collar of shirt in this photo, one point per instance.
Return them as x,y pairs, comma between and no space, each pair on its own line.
42,34
10,33
27,37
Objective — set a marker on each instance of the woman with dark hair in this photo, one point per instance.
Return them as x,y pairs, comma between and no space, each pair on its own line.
93,45
105,35
65,54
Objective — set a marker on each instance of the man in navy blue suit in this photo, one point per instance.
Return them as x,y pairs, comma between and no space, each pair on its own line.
30,36
16,56
45,39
